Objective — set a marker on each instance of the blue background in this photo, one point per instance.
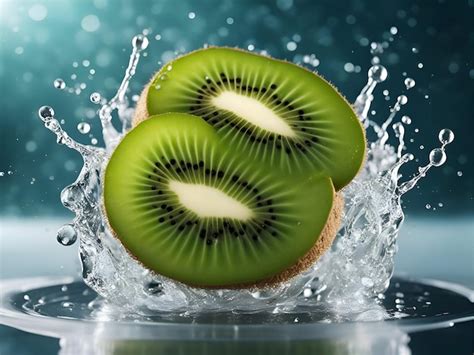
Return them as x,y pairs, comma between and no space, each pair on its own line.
40,41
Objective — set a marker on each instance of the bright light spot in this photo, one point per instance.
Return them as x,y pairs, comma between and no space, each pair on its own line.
291,46
90,23
349,67
31,146
38,12
192,15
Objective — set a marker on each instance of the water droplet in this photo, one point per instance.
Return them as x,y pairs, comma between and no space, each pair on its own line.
140,42
393,30
427,206
59,84
94,141
95,98
67,235
2,173
192,15
46,113
440,204
378,73
307,292
446,136
83,127
406,120
63,288
437,157
409,83
459,173
420,65
402,99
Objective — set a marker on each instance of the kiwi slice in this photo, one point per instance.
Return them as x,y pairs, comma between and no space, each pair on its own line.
187,207
281,113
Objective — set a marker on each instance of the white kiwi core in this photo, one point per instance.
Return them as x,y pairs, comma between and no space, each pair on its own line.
253,111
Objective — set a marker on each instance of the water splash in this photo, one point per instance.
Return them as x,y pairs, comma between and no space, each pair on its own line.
349,278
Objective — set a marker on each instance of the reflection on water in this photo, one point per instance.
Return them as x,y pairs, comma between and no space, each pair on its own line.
358,343
87,324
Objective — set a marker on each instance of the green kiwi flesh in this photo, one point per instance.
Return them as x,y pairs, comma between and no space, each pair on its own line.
284,115
187,207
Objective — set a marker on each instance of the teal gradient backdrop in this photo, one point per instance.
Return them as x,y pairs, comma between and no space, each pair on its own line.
40,41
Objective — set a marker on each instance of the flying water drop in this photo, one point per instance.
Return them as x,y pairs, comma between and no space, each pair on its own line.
437,157
59,84
446,136
46,113
83,127
67,235
378,73
140,42
409,83
95,98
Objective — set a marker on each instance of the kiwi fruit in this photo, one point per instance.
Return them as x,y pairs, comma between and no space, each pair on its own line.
187,207
280,113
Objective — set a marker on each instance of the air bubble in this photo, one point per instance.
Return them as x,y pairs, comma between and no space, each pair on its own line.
140,42
67,235
83,127
459,173
46,113
437,157
378,73
409,83
59,84
428,206
446,136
